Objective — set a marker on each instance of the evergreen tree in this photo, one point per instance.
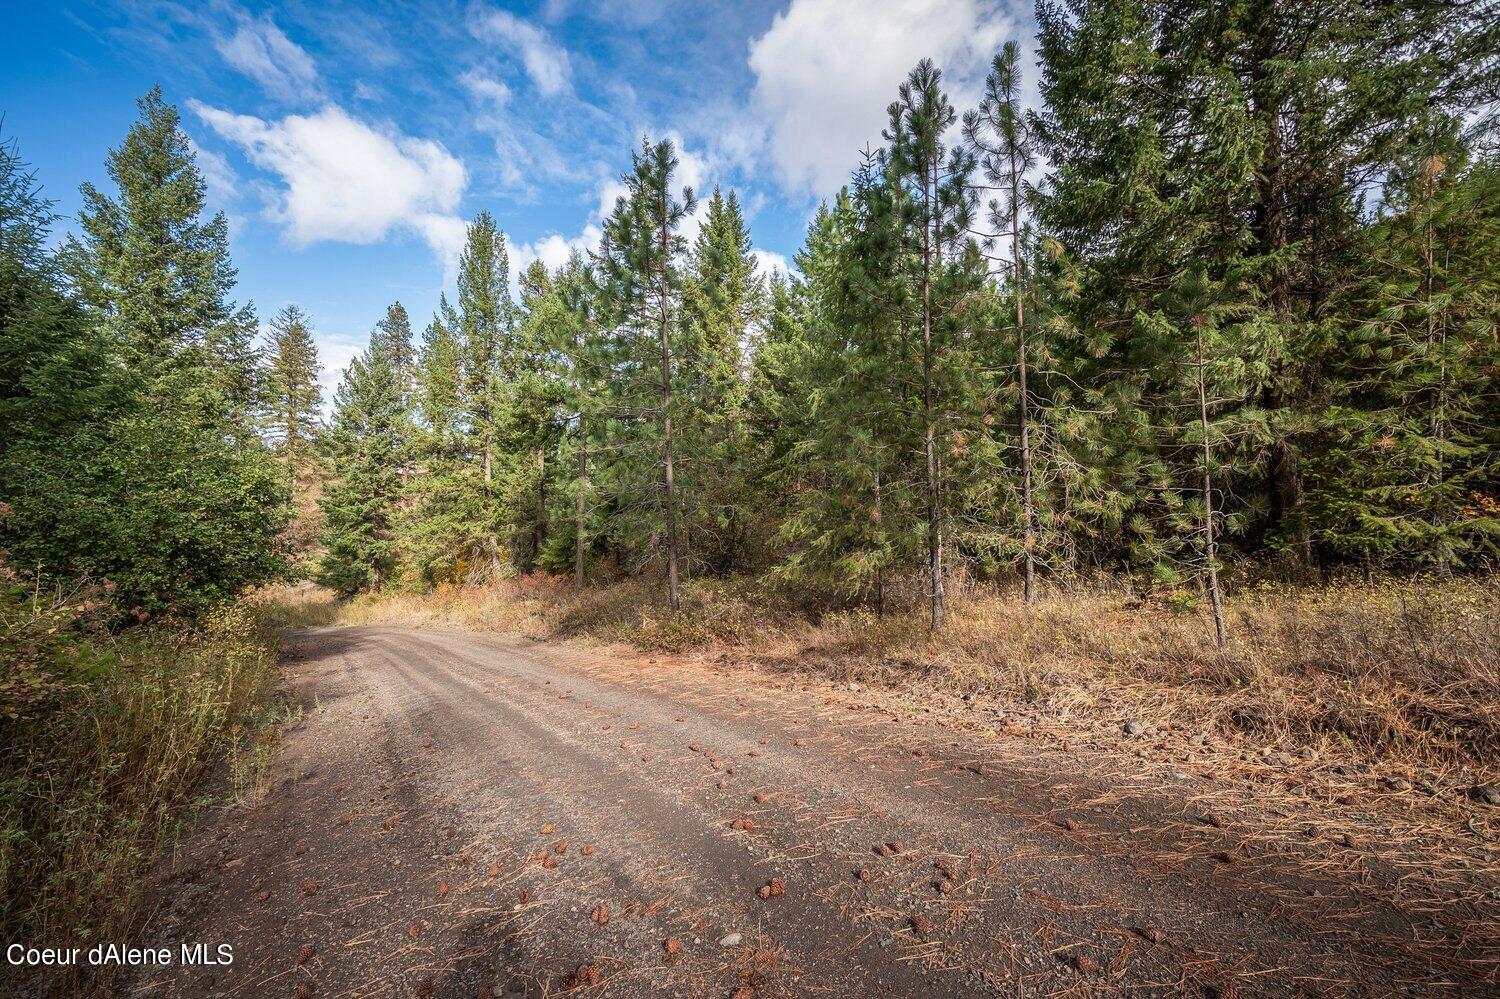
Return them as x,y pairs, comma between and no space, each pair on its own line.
831,391
395,335
58,395
366,442
437,374
167,489
157,275
1003,137
437,528
568,389
722,300
1407,471
54,366
934,185
1208,308
777,418
639,264
1243,137
294,399
488,368
532,419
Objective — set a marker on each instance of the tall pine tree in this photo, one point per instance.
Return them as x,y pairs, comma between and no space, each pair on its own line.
293,396
933,183
366,444
643,282
722,301
487,370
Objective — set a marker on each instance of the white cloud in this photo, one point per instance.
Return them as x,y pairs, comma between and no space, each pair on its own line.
262,51
445,234
826,70
348,181
546,63
694,169
486,89
523,156
611,190
554,250
769,262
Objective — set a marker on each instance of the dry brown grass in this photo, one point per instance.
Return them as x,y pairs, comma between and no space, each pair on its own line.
1402,672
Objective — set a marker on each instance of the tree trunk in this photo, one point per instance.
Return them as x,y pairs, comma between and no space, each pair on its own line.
1437,339
1210,551
880,520
539,533
1284,474
929,430
492,541
1028,506
580,515
673,600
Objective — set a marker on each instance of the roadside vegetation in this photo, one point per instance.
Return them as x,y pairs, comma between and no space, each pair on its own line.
105,740
1191,423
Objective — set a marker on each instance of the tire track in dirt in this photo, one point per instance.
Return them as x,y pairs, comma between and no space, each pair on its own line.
647,833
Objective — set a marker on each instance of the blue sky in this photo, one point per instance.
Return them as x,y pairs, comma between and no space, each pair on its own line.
349,142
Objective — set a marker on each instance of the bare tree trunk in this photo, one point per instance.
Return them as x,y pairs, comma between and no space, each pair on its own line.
673,600
879,519
492,542
539,533
1437,338
580,515
1210,550
1028,505
929,435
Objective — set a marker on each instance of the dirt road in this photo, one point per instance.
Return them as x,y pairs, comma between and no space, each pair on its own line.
463,815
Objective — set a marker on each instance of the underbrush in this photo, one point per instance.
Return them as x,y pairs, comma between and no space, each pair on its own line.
104,743
1401,671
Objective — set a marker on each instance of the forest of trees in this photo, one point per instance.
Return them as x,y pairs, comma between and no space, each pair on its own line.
1227,297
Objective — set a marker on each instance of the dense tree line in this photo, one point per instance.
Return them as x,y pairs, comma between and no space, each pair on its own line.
1227,295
